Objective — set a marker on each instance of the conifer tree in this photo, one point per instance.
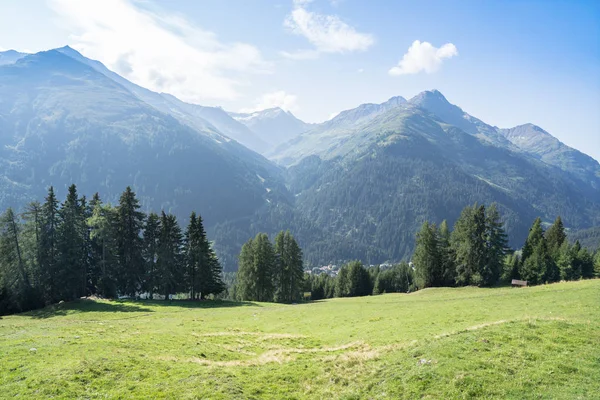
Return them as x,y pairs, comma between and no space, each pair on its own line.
426,258
555,237
170,261
49,244
288,274
247,275
536,234
495,248
264,264
210,271
71,245
130,222
447,255
103,224
152,231
470,245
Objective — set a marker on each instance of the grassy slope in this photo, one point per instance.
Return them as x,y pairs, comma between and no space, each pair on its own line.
541,342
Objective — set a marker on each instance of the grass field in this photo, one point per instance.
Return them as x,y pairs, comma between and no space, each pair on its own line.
539,342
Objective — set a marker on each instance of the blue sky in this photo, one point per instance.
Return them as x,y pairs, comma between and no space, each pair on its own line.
507,62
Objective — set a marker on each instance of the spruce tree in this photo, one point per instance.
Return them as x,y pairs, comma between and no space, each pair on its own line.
495,249
170,261
426,258
130,223
49,244
264,261
536,234
288,274
555,237
103,234
152,231
71,245
447,256
470,245
247,274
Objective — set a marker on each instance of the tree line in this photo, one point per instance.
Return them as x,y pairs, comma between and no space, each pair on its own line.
63,251
270,271
475,252
353,279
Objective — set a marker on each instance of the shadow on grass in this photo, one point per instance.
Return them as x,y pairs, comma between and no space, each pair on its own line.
128,306
86,305
195,303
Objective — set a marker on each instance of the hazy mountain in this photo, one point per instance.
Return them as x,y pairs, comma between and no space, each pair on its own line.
273,126
537,142
357,187
375,176
63,122
210,119
10,57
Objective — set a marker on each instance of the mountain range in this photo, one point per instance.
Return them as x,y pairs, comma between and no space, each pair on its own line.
355,187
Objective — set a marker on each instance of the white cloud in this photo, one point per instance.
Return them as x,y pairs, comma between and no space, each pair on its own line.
360,70
327,33
279,98
300,54
423,56
162,52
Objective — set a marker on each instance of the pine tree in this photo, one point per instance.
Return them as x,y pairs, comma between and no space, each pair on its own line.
210,270
103,225
193,256
49,250
288,274
71,244
426,258
130,223
555,237
470,245
539,266
586,262
152,230
597,263
264,264
170,261
512,266
495,250
247,276
536,234
447,256
15,282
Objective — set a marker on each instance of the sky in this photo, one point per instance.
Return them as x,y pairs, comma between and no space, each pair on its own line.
506,62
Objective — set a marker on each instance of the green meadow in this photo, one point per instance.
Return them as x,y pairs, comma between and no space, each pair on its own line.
535,343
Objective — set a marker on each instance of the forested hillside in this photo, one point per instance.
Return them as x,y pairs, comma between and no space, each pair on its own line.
355,187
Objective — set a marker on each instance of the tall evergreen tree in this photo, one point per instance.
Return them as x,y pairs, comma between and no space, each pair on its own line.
247,276
426,258
103,225
288,274
536,235
496,246
170,261
130,222
447,255
71,245
49,246
555,237
264,264
470,245
152,230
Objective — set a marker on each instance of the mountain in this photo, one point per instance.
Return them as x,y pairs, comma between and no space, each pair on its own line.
273,126
10,57
355,187
374,174
63,122
210,119
540,144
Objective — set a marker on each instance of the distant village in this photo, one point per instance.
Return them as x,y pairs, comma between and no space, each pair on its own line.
333,269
